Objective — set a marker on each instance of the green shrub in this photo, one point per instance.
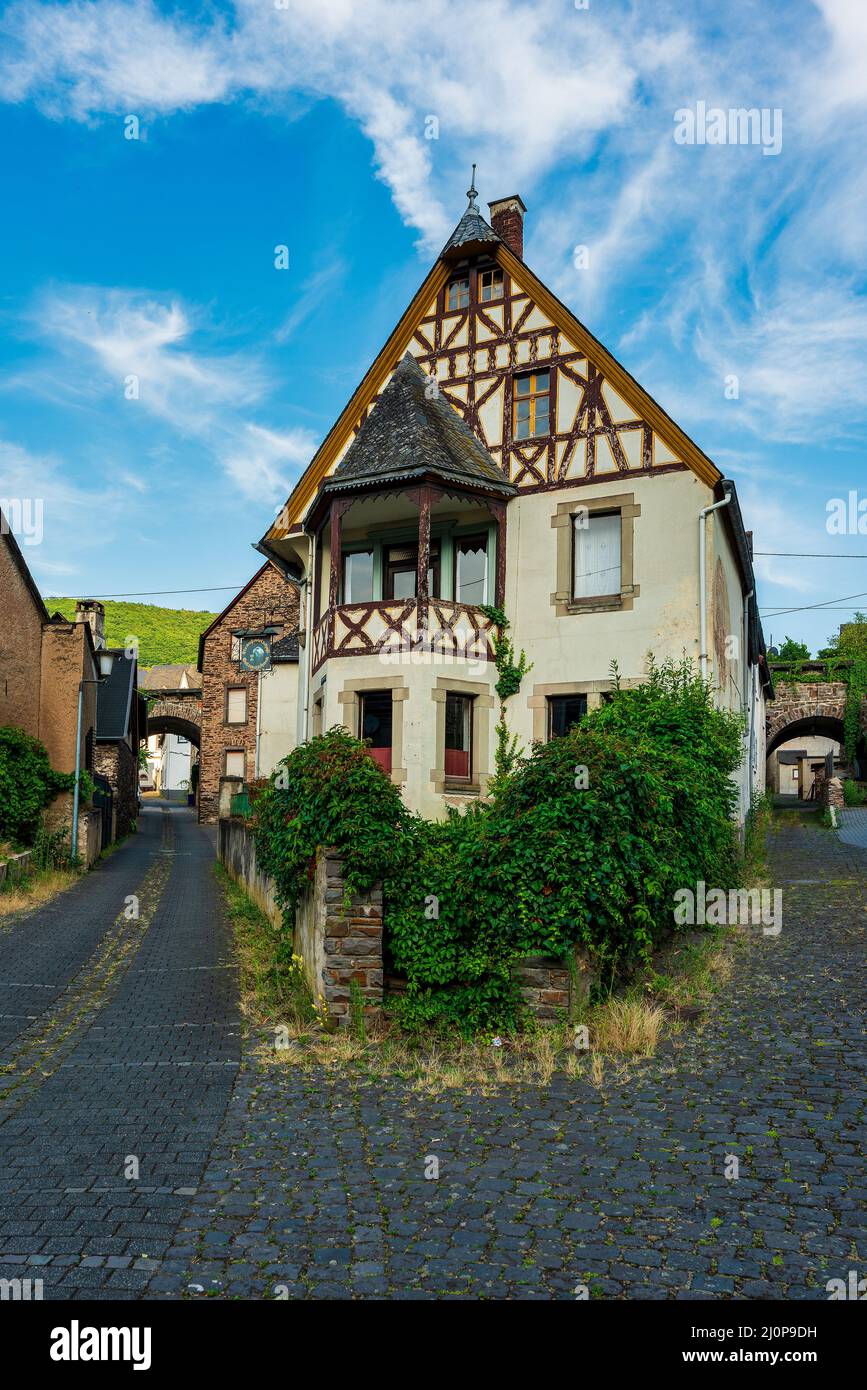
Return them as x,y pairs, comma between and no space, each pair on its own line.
854,793
584,842
328,792
28,783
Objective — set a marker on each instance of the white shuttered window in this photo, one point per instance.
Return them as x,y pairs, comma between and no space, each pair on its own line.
235,764
597,555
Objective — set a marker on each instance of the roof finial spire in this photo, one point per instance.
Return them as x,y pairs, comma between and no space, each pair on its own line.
473,193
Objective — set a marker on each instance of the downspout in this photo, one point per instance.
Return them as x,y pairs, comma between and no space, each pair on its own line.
308,643
75,793
258,725
748,698
702,579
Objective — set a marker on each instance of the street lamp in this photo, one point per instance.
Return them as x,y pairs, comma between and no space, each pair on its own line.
105,663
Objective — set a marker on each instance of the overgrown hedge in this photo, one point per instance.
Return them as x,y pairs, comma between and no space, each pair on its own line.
586,841
28,783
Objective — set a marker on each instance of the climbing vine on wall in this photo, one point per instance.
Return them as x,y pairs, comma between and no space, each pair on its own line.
510,673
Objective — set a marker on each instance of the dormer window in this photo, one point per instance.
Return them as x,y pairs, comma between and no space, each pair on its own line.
490,285
531,405
458,293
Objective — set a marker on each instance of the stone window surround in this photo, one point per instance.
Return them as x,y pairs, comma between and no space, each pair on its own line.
236,723
348,699
562,599
226,754
483,703
538,701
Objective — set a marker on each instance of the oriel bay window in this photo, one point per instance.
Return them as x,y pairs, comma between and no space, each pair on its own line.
358,576
400,571
596,554
375,725
531,405
471,569
459,737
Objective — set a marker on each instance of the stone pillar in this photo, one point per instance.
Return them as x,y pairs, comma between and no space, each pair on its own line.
352,940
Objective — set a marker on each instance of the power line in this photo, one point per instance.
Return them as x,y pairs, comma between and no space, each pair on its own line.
807,607
810,555
152,593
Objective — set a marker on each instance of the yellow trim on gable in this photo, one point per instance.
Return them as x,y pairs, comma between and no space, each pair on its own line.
386,361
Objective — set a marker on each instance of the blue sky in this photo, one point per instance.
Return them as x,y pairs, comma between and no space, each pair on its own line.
269,123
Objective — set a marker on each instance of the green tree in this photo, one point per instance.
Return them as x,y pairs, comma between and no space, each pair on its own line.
793,651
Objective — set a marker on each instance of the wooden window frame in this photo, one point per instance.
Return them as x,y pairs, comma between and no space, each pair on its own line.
236,723
453,284
389,567
493,271
549,702
226,753
456,778
533,396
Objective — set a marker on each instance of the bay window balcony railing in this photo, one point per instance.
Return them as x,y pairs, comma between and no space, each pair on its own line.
401,629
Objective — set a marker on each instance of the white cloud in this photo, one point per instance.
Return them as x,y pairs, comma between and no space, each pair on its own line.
265,464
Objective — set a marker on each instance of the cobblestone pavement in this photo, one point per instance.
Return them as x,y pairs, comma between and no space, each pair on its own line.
120,1041
313,1185
852,826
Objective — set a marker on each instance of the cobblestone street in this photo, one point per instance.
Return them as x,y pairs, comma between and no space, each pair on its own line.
122,1038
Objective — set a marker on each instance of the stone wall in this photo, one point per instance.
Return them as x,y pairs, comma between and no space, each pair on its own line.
20,643
551,988
269,600
117,762
337,943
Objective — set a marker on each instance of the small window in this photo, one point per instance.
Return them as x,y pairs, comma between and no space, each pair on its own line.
596,555
236,705
531,405
236,762
374,725
358,576
401,570
490,285
458,294
563,712
471,569
459,737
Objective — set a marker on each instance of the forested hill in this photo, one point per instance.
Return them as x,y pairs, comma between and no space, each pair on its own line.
164,634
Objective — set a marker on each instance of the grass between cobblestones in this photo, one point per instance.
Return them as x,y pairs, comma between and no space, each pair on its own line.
597,1046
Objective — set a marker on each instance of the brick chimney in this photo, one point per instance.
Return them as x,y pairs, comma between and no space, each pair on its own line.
92,612
507,220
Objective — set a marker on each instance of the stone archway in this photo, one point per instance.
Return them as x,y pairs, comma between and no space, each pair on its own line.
177,712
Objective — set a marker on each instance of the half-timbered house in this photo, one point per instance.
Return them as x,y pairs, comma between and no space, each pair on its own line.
497,455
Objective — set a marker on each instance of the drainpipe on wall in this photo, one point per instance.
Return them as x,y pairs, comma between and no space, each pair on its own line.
748,697
258,724
308,645
702,579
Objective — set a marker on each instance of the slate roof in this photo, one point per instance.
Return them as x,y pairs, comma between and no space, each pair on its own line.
114,698
471,230
409,433
168,677
286,649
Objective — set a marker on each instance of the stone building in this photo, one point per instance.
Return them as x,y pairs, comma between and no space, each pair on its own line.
497,454
231,723
121,720
43,659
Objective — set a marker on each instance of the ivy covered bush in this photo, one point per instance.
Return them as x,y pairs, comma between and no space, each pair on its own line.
28,783
328,792
583,842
